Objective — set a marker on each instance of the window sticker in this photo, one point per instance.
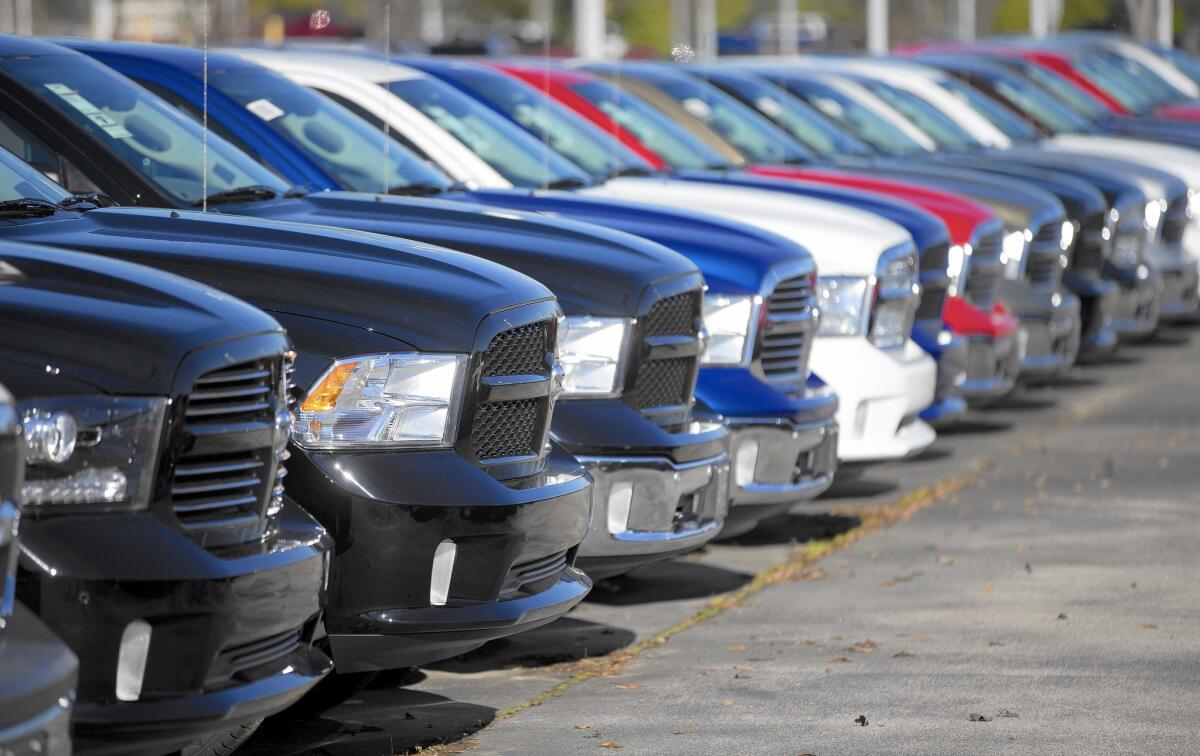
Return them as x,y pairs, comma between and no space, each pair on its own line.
81,103
265,109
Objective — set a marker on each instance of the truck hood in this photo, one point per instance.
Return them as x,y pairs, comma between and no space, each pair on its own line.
1018,204
842,240
1079,197
1181,162
77,322
426,297
734,257
592,270
925,229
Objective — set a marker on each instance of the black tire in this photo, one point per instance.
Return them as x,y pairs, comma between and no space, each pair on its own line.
222,743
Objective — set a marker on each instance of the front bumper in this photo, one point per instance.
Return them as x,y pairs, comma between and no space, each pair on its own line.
37,687
514,542
993,365
231,633
646,509
950,352
1050,332
880,394
1181,295
1138,305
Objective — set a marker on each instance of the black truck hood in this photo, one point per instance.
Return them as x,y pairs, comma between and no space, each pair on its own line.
80,323
428,298
592,270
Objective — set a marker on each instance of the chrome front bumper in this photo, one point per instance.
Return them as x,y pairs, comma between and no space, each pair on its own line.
1048,348
991,369
651,506
1137,309
1181,291
776,461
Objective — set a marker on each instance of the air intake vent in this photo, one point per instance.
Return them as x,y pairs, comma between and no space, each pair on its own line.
675,315
237,393
245,657
790,325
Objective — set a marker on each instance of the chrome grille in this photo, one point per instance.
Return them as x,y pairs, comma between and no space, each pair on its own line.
1044,267
506,428
224,486
1092,246
790,325
982,275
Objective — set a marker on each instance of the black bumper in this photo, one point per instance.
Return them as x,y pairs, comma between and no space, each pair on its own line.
230,633
513,546
37,686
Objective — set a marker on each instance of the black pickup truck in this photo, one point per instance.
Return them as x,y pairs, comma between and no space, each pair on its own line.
155,538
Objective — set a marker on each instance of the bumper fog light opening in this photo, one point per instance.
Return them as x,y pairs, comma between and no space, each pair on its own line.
860,419
131,660
620,499
443,570
746,463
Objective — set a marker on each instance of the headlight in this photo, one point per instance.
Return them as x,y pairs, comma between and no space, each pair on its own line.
90,453
1154,213
729,322
590,350
895,299
1193,204
1014,252
382,401
1067,236
956,266
842,301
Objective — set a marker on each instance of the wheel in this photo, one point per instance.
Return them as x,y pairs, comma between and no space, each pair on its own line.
222,743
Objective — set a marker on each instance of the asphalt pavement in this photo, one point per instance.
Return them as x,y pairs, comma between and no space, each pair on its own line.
1028,585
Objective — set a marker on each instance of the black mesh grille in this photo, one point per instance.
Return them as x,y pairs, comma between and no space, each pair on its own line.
507,429
519,351
1175,221
218,484
674,316
664,383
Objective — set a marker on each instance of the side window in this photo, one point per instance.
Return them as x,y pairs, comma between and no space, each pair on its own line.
372,119
21,142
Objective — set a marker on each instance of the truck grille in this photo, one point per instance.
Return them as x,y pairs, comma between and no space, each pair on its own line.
1044,268
983,271
222,485
934,281
514,428
790,323
1175,221
664,383
1092,247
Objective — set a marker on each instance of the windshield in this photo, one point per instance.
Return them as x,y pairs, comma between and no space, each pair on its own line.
552,123
1114,82
1183,61
512,152
1001,117
941,128
791,114
661,136
1065,92
1040,106
360,157
850,114
1158,88
145,133
20,181
745,129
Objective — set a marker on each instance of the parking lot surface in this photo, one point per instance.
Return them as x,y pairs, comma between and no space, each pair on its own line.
1028,585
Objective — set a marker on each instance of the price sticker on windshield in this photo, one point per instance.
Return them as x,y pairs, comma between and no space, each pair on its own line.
265,109
93,113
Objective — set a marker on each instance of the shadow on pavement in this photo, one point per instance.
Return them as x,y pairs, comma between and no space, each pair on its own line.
859,488
794,528
1020,402
377,721
973,423
564,640
1164,337
667,581
931,454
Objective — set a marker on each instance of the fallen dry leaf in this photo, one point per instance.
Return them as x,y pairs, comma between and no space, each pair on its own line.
584,726
863,647
1148,626
743,666
737,647
839,660
861,720
980,718
610,744
1023,547
901,655
727,702
995,643
945,559
627,685
689,731
987,590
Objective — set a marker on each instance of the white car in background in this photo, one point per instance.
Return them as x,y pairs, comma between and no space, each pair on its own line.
867,264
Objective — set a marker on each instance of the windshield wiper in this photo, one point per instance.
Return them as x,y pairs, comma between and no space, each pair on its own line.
85,202
417,189
631,170
567,183
254,193
27,207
